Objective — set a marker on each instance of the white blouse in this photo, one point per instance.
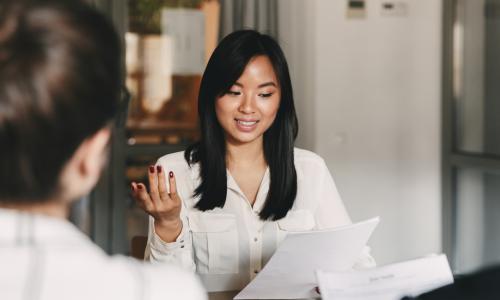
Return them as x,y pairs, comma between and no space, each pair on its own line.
228,246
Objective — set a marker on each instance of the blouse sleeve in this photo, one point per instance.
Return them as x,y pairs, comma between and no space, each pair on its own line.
179,252
331,211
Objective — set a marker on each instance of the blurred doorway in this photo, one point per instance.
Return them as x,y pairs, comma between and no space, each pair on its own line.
471,133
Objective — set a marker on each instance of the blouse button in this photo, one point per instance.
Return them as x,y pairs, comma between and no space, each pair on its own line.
255,239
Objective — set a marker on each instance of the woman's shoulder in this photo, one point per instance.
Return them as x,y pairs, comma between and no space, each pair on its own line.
174,160
302,156
186,176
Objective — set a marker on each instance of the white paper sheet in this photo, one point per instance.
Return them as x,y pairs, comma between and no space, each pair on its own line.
290,273
391,282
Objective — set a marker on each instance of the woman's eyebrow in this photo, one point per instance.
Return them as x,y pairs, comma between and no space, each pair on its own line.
270,83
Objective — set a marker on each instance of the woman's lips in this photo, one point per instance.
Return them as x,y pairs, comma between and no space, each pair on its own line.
246,125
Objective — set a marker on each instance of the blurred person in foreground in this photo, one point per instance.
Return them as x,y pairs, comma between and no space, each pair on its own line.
59,90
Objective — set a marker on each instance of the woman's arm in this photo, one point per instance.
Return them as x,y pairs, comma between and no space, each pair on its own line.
169,239
331,212
178,252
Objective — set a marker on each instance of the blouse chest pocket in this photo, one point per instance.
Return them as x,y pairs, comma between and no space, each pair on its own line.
215,242
295,221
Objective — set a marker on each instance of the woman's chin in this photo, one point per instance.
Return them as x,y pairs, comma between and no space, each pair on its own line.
244,138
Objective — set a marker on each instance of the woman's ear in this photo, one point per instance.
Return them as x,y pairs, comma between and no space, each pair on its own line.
83,170
94,153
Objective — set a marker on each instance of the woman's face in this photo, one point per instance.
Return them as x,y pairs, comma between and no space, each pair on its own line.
250,106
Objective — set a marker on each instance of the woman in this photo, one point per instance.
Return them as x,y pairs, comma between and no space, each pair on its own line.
230,199
60,78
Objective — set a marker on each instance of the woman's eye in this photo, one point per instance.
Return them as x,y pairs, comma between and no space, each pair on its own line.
233,93
266,95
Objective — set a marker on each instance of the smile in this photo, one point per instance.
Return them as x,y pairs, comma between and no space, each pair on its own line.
246,123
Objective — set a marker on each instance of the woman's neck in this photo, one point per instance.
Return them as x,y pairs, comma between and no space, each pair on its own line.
241,155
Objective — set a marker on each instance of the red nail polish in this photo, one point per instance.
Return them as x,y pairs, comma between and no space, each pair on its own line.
158,168
171,174
139,187
151,169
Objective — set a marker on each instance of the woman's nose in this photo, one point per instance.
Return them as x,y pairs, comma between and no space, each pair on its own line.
247,105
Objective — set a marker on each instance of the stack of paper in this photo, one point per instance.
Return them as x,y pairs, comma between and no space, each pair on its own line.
290,273
390,282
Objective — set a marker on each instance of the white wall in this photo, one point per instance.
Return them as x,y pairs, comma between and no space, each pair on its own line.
369,91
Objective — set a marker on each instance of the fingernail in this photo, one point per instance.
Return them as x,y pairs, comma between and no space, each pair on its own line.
139,187
171,174
131,186
158,168
151,169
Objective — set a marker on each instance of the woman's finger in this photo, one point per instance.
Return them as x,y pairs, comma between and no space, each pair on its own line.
162,183
141,195
153,185
173,186
140,203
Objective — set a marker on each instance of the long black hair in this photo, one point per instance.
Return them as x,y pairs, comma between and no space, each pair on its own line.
225,66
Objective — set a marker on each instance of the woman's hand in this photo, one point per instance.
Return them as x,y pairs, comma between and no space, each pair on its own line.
163,206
